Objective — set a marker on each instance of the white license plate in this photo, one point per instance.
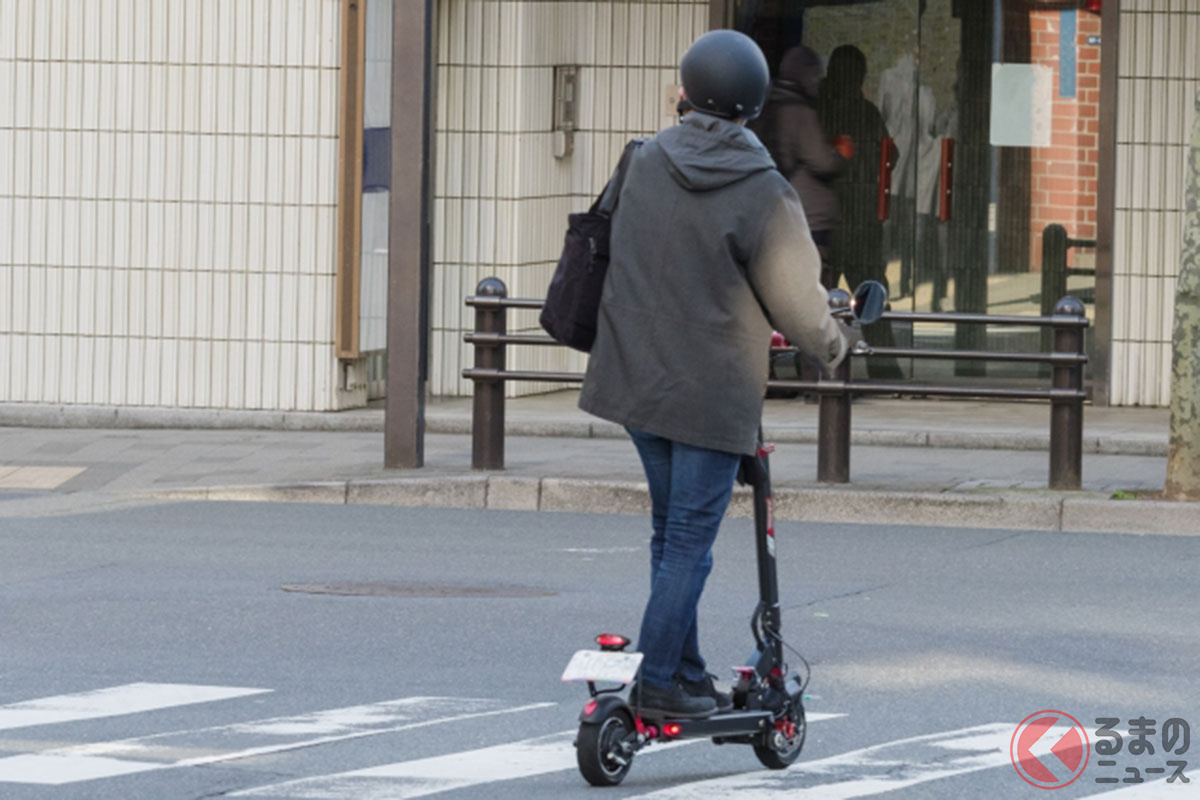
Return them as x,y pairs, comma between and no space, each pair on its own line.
603,666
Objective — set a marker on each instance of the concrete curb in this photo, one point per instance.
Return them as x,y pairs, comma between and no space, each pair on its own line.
1034,510
1143,516
42,415
327,492
38,415
444,492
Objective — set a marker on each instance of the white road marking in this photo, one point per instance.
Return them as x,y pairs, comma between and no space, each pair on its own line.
859,773
242,740
114,701
600,551
17,477
47,769
427,776
1159,789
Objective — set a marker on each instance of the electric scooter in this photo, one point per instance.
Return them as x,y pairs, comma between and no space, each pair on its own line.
768,707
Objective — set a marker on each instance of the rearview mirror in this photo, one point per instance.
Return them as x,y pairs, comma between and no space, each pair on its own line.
868,302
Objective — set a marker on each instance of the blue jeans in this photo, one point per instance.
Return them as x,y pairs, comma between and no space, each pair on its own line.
689,492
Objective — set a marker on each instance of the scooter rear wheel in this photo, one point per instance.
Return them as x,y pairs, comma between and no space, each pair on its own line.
598,749
780,752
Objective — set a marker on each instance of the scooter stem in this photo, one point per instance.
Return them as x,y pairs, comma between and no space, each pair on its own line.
756,470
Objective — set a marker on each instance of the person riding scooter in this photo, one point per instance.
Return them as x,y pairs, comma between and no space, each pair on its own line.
710,251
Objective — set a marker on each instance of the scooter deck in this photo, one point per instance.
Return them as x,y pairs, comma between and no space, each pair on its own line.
732,723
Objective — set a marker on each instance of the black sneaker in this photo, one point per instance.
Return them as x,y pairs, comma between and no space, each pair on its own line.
706,688
672,702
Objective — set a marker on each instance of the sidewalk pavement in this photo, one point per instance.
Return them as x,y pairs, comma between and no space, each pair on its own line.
921,462
876,421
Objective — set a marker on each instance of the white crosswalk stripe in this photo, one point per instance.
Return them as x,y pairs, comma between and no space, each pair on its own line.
865,772
872,771
243,740
426,776
129,698
1156,790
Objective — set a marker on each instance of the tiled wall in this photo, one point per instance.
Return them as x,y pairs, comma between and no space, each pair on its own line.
377,109
502,198
1159,74
167,202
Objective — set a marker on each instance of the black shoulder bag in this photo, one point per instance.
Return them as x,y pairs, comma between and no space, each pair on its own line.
573,299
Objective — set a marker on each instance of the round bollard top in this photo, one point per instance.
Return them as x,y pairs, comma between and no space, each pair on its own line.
839,298
491,287
1070,306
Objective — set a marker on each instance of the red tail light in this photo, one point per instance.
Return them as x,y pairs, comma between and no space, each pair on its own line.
672,729
612,641
1093,6
589,708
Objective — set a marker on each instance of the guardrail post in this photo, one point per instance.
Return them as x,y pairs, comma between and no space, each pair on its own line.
1066,413
833,436
1055,244
487,411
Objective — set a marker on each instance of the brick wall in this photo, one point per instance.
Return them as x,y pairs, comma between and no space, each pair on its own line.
1063,180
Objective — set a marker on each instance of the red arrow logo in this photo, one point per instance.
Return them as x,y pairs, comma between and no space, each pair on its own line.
1071,750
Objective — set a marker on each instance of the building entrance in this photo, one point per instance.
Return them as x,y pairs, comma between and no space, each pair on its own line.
974,126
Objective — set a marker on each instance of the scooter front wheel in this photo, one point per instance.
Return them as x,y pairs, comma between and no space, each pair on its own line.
780,751
602,749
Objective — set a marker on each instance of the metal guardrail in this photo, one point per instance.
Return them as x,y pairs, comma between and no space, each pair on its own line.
1065,394
1056,244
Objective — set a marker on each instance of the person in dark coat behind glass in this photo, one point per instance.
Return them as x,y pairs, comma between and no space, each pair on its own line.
856,250
791,130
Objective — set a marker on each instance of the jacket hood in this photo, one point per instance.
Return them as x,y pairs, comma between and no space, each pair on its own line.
785,91
705,152
801,70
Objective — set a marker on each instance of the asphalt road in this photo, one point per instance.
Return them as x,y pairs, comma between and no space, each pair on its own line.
153,652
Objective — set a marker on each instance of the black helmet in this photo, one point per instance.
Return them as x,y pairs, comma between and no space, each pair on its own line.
726,75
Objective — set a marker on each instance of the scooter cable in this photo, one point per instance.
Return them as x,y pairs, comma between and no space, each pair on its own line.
807,666
776,635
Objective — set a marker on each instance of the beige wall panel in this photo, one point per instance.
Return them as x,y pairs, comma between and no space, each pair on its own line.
1158,74
502,196
166,225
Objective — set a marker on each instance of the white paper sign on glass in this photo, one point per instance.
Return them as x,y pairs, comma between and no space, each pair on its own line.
602,666
1022,105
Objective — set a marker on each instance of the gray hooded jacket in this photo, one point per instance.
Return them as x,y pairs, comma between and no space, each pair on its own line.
709,250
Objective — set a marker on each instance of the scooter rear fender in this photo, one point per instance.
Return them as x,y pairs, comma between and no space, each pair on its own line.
600,707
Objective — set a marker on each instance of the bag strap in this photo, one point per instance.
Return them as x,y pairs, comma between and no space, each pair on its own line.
606,204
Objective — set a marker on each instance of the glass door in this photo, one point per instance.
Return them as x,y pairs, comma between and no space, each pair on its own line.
972,181
863,218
